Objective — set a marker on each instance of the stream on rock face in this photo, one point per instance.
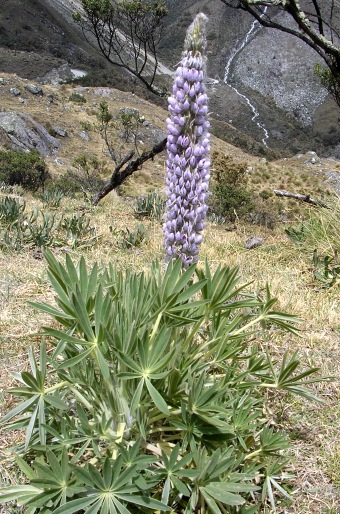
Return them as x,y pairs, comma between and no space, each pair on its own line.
253,29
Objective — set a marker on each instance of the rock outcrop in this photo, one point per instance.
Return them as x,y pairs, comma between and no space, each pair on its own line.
24,133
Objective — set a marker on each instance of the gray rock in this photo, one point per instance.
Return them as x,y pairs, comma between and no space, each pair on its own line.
254,242
57,75
59,162
84,135
35,90
312,158
59,131
15,91
27,134
103,91
2,81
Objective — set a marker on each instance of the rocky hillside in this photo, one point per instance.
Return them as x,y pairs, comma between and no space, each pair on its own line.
38,40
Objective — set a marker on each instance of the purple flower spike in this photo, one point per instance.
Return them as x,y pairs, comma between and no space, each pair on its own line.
188,151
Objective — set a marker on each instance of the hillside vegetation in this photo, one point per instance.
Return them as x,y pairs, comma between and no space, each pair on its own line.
127,233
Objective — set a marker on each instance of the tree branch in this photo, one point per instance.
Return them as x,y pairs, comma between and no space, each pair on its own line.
301,198
118,176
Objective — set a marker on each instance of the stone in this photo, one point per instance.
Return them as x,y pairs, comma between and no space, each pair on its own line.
24,133
84,135
15,91
254,242
59,162
35,90
312,158
59,131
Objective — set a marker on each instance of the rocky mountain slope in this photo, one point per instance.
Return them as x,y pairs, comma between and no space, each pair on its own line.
37,36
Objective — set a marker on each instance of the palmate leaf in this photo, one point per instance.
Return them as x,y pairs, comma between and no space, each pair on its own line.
21,493
219,491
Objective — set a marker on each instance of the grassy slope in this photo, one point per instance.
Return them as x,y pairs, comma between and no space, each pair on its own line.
314,429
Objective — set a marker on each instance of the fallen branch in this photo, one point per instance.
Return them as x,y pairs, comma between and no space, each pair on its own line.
118,176
302,198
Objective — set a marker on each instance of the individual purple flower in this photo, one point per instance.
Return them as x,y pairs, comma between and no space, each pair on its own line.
188,151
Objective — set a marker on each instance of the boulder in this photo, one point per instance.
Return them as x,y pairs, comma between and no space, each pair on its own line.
15,91
35,90
60,131
27,134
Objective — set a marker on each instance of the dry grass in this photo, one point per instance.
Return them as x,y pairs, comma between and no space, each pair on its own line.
313,428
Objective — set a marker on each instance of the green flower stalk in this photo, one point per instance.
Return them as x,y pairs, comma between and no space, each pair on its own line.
188,151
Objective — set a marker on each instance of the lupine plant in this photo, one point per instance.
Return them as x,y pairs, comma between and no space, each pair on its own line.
151,397
151,389
188,150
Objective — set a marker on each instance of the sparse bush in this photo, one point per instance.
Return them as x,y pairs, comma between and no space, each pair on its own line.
85,125
150,206
229,198
327,269
25,169
265,194
132,238
52,197
87,178
77,98
11,210
77,227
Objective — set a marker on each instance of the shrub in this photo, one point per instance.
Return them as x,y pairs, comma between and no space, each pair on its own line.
150,206
11,210
52,197
25,169
229,196
77,98
77,227
87,178
132,238
152,395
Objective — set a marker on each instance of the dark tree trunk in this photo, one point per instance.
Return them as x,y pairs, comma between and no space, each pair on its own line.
118,176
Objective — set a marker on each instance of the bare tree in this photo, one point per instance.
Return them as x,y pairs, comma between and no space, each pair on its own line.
316,23
126,33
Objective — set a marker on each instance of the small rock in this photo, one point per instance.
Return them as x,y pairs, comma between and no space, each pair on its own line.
15,91
59,162
84,135
254,242
60,132
35,90
2,81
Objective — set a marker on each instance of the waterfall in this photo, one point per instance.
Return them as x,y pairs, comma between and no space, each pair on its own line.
235,52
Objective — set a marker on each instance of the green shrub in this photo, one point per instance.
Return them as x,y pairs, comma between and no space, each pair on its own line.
25,169
52,197
229,198
327,269
77,98
132,238
10,210
152,394
150,206
77,227
265,194
86,179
